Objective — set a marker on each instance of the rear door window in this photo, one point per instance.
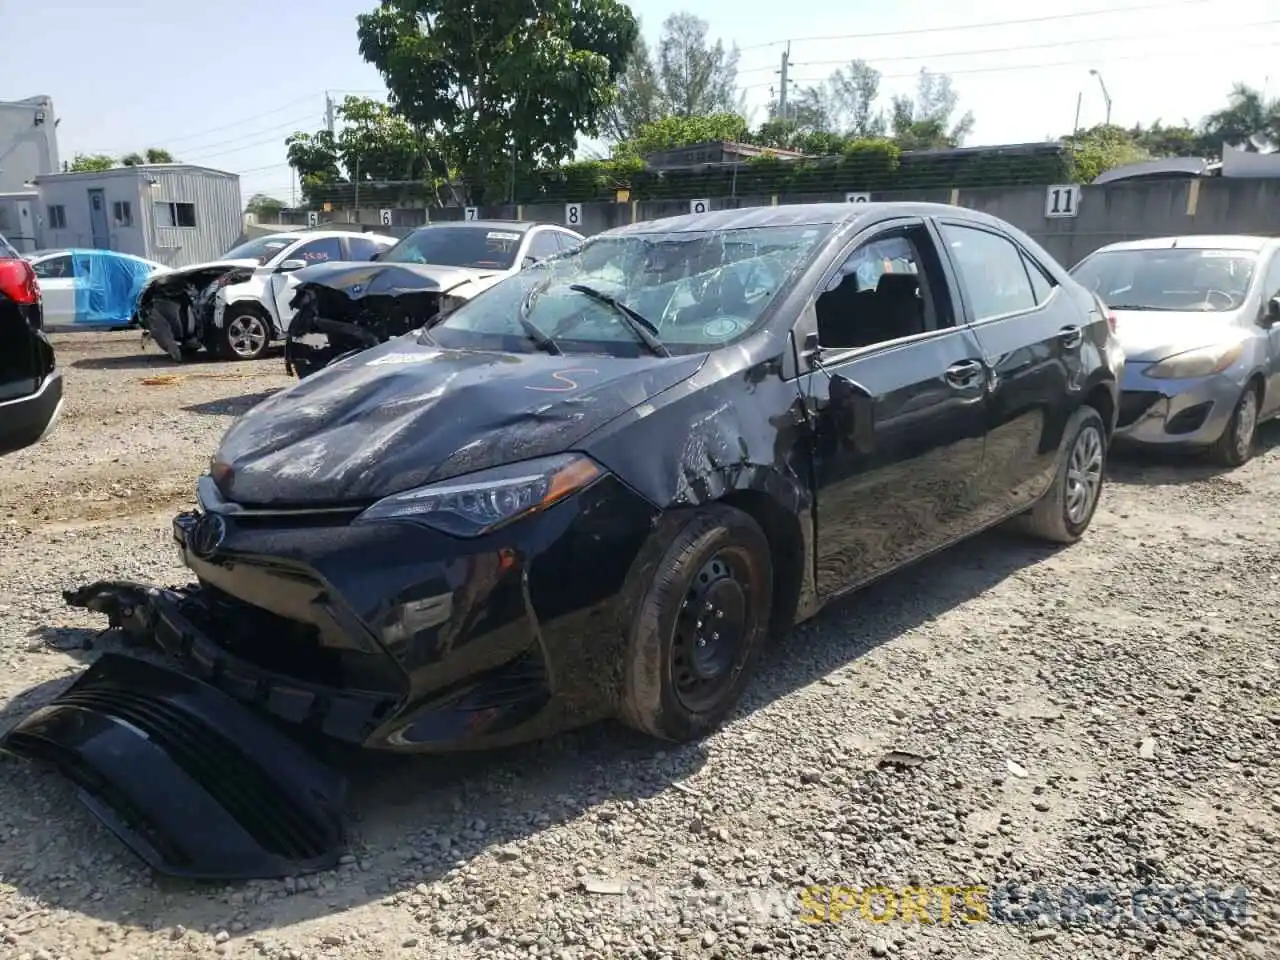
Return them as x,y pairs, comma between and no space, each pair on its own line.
992,271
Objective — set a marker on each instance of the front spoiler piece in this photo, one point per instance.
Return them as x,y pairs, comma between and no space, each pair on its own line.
191,781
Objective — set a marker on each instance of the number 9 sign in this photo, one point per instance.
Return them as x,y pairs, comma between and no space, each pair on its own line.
699,206
857,198
573,214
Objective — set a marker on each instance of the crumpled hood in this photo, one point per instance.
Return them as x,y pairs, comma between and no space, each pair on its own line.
388,279
1150,335
215,264
405,413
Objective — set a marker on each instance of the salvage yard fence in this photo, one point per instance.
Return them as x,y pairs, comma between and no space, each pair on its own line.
1069,220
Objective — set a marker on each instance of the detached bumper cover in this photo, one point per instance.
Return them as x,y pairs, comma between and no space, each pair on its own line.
193,783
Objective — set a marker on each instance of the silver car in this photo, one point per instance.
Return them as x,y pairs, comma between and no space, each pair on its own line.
1199,321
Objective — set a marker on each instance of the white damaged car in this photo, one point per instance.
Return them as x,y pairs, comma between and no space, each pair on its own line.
236,306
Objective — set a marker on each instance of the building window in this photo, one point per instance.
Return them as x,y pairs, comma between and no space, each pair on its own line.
57,217
122,210
170,214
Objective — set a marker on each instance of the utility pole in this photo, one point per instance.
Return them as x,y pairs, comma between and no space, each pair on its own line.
328,112
1106,97
782,86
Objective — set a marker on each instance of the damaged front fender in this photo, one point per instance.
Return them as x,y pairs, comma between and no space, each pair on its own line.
192,782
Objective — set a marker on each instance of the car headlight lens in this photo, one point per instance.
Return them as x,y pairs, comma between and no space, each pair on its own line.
1200,362
477,503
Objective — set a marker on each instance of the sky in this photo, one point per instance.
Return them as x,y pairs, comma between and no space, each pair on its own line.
223,84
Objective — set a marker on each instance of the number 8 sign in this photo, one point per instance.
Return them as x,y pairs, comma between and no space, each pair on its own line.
573,214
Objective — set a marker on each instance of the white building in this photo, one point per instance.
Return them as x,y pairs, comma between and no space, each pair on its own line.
174,213
28,142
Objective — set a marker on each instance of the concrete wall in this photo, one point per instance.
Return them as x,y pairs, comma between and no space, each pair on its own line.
27,148
1123,211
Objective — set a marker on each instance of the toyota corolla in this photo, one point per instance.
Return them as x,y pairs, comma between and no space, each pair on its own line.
594,490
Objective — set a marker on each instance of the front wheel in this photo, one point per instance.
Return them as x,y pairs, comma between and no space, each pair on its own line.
1064,513
700,627
245,336
1235,447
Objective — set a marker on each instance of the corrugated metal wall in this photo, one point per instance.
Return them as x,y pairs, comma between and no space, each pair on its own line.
217,213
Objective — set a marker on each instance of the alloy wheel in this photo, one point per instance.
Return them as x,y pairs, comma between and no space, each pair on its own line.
247,335
1084,474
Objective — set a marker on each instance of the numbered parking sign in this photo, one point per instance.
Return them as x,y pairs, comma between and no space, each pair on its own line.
857,198
384,217
1062,200
313,218
471,213
699,206
573,214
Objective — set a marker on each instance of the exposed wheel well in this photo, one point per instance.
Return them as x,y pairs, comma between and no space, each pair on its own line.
786,543
1100,399
1259,384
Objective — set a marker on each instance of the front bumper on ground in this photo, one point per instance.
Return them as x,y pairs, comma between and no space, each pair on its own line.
191,782
28,420
1175,413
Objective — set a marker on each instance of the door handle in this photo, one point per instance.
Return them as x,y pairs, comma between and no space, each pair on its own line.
963,374
1071,337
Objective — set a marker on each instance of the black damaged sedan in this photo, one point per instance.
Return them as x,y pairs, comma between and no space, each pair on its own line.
598,487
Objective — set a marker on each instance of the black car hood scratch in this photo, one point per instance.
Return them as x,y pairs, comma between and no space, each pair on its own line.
407,413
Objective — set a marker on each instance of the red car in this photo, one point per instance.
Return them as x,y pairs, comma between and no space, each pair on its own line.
30,382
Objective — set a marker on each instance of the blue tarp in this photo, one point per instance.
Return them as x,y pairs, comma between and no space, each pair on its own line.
107,286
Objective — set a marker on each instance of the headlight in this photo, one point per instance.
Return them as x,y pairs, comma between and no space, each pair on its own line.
480,502
1200,362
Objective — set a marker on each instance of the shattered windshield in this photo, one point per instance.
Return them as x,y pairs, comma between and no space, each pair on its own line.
1172,279
698,290
478,247
262,249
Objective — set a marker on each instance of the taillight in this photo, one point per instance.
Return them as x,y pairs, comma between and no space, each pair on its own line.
18,282
1111,321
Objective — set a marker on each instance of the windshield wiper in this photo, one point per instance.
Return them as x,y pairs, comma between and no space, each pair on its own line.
635,321
541,339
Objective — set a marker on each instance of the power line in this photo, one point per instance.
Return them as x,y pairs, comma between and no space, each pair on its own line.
274,132
1047,18
184,138
1145,35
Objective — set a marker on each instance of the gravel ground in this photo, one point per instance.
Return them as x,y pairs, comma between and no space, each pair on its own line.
1101,718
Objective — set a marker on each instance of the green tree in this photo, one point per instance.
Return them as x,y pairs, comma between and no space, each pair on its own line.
157,155
314,157
1100,148
91,163
699,78
502,88
1159,140
925,121
264,206
673,132
640,98
376,143
1248,122
853,92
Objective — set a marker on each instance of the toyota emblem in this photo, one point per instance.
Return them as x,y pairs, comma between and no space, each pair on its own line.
207,535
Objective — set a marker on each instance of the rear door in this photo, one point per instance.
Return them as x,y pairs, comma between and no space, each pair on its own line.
1031,333
1271,288
896,400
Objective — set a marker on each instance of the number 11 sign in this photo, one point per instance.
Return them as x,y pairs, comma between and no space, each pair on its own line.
1062,200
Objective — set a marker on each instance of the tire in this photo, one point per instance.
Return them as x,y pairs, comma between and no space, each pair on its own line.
1235,447
1059,516
245,335
718,563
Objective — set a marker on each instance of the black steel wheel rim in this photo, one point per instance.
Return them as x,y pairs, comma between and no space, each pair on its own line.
711,631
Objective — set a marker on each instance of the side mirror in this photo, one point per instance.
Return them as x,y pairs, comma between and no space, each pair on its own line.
853,414
290,265
376,255
528,262
1271,312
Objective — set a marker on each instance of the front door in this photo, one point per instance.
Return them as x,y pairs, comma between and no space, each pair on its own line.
896,467
98,220
1270,289
1032,340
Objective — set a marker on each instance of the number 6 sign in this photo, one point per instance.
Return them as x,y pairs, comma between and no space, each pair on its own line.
573,214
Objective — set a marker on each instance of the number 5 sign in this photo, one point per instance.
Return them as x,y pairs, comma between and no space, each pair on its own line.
1062,200
573,214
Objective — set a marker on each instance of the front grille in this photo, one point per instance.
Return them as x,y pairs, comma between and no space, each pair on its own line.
1134,403
239,786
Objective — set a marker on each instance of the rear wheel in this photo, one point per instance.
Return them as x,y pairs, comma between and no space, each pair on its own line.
1235,447
700,627
1064,513
245,335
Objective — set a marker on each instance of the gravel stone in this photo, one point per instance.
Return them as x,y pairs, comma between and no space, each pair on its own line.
1094,732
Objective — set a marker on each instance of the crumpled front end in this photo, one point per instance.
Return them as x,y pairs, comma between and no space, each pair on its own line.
176,310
